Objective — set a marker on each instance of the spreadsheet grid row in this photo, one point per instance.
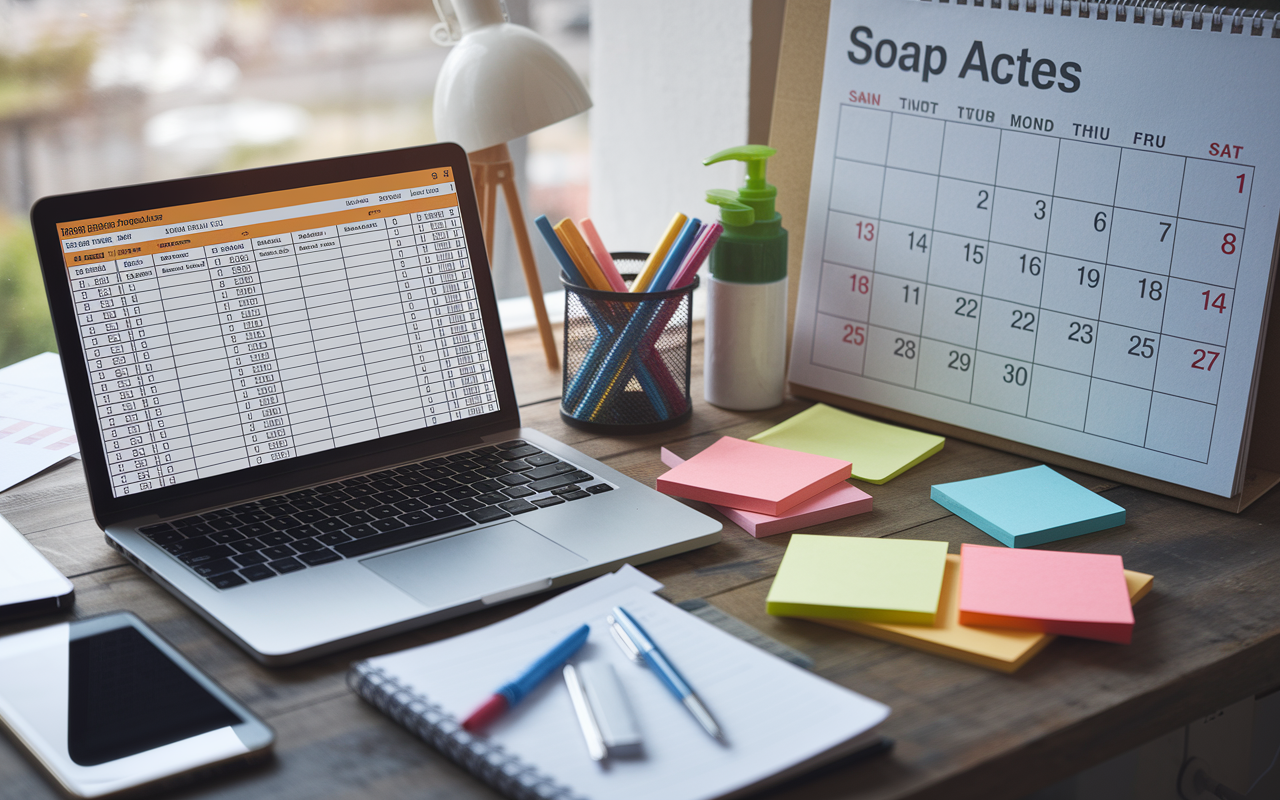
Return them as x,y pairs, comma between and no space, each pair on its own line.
1000,268
302,342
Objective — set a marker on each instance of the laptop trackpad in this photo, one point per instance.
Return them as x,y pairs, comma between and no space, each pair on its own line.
476,564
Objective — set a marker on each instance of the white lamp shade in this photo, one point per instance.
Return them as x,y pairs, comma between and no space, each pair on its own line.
501,82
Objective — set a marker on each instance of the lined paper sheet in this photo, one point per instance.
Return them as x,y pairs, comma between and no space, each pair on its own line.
774,715
36,430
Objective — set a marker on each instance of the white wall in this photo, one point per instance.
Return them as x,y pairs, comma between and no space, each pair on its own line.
670,80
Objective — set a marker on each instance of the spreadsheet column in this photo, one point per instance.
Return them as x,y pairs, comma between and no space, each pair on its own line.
461,384
290,363
337,340
200,357
248,338
159,443
376,294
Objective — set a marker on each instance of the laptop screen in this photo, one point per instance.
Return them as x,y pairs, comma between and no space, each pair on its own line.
233,333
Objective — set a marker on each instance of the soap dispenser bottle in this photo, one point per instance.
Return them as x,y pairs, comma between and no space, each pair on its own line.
746,333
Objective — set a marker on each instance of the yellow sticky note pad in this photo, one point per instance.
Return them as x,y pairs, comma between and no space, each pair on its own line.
878,451
877,580
1001,649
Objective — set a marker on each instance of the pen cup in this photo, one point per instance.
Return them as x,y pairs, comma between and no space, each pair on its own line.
626,356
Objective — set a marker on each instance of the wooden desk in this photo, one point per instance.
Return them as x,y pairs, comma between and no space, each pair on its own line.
1208,635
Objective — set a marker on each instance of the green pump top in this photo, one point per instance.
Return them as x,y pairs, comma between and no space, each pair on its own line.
753,247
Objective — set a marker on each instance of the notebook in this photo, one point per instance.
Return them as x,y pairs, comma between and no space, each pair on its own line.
1006,242
295,410
779,720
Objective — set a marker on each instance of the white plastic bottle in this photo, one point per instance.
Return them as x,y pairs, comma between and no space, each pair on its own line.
746,356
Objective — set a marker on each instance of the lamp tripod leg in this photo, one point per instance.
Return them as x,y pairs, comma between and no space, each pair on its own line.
528,263
488,206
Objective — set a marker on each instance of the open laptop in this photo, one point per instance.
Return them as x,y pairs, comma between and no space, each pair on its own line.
295,409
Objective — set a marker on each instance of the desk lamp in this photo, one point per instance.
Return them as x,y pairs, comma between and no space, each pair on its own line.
501,81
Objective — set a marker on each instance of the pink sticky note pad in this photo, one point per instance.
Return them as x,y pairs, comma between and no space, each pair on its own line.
1073,594
838,502
753,477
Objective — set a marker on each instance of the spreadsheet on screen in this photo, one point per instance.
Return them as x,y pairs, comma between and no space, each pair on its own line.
232,333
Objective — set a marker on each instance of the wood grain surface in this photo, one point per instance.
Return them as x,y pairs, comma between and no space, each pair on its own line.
1207,635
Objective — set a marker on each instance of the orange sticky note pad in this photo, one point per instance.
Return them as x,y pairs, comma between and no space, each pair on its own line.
1073,594
753,477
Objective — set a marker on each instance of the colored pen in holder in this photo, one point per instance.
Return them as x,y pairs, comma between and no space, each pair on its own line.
626,356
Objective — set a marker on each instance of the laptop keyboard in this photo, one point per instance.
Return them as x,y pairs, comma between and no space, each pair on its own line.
262,539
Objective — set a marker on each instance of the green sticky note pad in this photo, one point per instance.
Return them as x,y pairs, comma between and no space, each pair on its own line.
874,580
1028,507
878,451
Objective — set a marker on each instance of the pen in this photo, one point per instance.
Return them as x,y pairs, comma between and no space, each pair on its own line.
509,695
625,627
675,256
586,715
707,238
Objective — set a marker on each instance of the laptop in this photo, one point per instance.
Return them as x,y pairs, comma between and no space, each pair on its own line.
295,409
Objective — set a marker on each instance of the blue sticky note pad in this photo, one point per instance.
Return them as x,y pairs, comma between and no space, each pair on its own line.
1028,506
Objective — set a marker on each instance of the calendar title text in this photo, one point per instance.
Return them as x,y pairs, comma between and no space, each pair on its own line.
926,60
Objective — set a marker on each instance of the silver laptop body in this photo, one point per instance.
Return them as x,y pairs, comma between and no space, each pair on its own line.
159,235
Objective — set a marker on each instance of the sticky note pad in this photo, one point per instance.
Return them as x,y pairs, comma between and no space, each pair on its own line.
838,502
877,580
1000,649
1027,507
1074,594
877,451
752,477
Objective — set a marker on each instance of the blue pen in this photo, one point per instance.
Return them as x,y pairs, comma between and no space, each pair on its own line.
630,635
675,256
509,695
598,349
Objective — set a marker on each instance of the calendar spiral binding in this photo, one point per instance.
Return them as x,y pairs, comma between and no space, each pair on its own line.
1177,14
503,771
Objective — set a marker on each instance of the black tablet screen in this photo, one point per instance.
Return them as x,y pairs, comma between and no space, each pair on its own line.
126,697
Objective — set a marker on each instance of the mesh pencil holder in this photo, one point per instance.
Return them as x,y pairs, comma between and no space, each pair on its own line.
626,356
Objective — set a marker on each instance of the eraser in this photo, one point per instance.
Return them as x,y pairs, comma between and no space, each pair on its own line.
612,711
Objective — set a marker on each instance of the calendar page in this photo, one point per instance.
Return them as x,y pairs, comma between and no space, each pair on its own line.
1052,229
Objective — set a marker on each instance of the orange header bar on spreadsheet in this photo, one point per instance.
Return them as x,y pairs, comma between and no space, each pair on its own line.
255,202
258,230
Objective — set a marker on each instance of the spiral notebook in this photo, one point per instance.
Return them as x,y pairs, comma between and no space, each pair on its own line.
779,720
1044,225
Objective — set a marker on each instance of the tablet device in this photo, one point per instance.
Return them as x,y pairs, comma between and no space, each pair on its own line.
104,706
29,584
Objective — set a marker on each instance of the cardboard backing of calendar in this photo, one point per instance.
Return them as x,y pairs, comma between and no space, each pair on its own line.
793,130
